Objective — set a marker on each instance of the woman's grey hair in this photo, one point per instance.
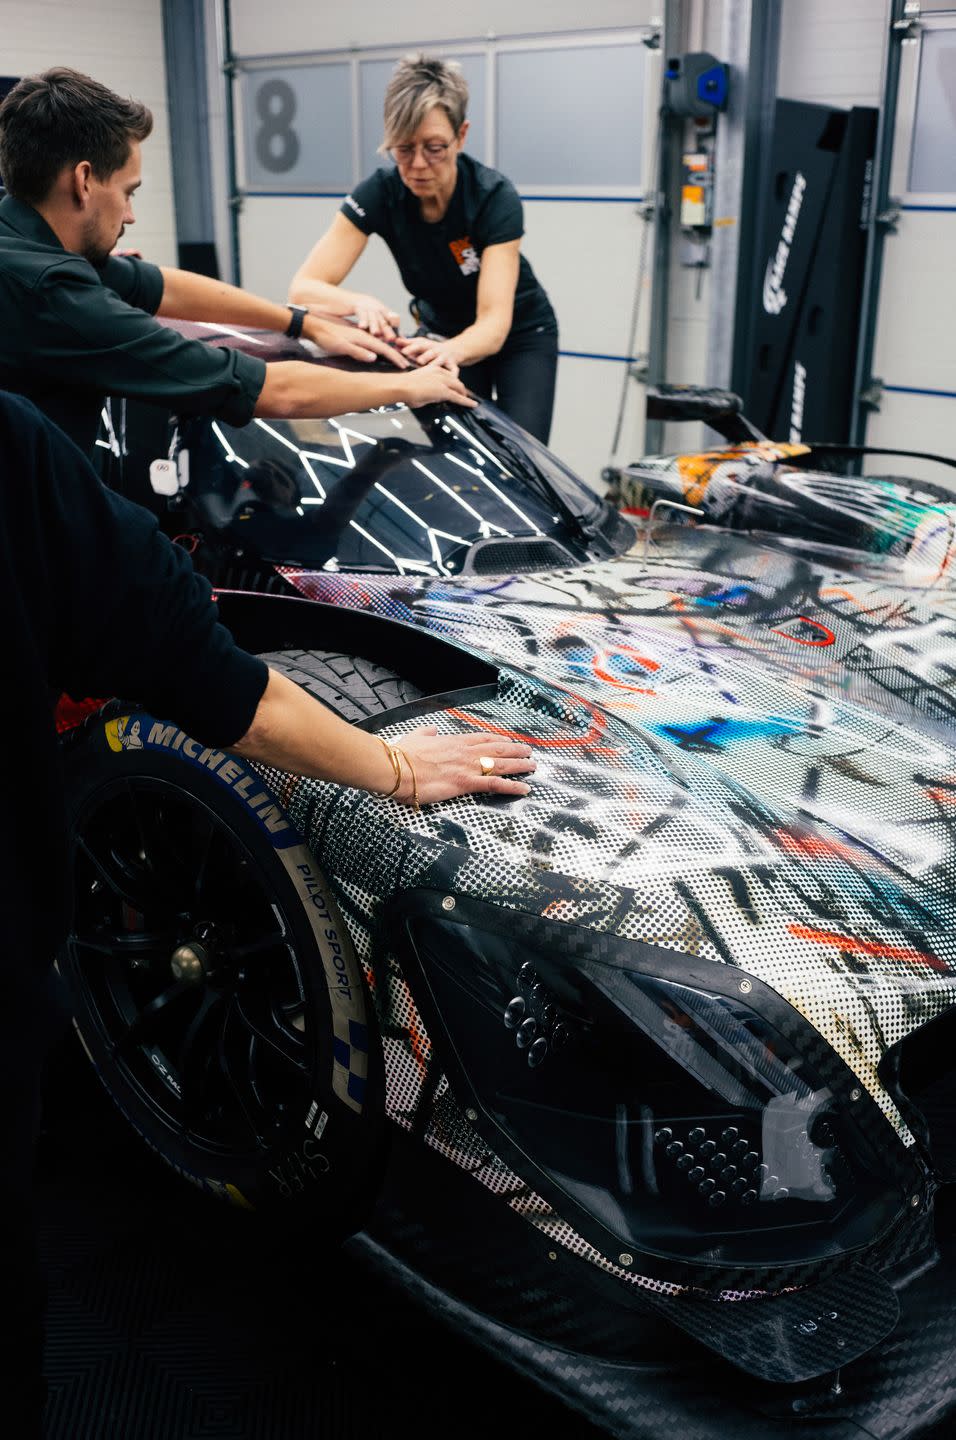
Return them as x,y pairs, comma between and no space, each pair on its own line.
418,84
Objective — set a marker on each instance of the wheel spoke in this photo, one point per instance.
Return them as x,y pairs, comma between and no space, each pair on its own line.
288,1047
255,947
241,1087
134,804
127,942
119,879
149,1019
195,1057
201,859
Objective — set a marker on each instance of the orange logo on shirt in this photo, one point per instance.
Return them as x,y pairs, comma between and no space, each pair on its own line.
466,256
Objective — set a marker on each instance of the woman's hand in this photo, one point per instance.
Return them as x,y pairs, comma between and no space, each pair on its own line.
373,315
423,349
339,337
368,313
434,384
450,765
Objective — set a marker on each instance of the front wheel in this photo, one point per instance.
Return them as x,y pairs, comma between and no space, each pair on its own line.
214,984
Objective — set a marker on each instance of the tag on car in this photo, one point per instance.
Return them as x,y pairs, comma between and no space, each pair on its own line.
164,477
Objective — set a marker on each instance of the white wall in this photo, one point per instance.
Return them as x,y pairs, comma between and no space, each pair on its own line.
119,43
294,26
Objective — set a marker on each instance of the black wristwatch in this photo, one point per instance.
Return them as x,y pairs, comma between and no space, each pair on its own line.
299,313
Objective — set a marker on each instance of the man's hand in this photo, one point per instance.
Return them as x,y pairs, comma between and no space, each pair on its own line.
450,765
340,338
434,384
423,350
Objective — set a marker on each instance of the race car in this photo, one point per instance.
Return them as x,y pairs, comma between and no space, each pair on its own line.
671,1036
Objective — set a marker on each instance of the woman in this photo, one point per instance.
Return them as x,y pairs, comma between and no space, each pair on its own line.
454,227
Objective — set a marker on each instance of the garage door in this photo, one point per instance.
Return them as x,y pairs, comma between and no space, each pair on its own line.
570,119
915,350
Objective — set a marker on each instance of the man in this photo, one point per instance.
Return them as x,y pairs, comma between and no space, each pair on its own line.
77,320
96,600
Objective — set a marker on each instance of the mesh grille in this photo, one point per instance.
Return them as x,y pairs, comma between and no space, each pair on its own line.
513,557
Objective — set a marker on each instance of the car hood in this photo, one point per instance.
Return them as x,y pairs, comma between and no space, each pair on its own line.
744,754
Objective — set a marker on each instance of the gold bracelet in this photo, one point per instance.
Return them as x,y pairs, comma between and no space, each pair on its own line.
411,771
393,755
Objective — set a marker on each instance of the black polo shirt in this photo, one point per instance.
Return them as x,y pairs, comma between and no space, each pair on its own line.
440,260
72,333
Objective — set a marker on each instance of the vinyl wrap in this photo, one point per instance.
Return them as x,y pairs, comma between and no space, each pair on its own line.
742,759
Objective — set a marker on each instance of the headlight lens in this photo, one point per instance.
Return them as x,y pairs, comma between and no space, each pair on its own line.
681,1119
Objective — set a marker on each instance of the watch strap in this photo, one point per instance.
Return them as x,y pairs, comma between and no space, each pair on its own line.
299,312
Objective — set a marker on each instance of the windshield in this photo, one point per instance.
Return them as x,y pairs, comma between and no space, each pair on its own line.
412,490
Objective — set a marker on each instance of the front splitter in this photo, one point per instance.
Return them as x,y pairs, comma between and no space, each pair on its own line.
474,1268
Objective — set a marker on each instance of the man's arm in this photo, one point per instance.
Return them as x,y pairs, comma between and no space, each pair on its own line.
133,618
293,388
197,297
83,327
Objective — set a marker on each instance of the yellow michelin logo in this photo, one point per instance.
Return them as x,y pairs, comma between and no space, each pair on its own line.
121,735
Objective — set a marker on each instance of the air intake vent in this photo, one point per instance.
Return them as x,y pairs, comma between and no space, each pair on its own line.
512,557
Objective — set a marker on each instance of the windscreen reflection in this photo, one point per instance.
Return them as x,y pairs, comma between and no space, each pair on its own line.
393,488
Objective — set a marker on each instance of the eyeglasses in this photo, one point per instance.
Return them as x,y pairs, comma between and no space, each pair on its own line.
434,152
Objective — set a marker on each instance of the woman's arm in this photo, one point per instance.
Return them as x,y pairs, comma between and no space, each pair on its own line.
296,732
317,281
497,282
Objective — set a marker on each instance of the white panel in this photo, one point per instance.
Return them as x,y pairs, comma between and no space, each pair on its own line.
592,297
289,27
554,123
832,53
585,414
295,122
119,43
276,234
917,422
933,160
915,341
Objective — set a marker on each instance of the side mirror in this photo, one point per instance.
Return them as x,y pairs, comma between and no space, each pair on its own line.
722,410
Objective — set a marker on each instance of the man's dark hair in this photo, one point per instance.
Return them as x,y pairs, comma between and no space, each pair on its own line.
61,118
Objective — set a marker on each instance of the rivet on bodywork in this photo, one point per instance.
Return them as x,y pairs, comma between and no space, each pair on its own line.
448,903
855,1093
471,1114
914,1201
626,1259
746,986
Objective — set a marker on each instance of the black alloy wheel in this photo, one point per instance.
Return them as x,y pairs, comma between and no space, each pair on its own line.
206,990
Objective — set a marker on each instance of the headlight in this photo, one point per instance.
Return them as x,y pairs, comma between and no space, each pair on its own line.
681,1108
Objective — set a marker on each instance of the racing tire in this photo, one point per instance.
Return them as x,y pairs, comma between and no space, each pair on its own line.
352,687
214,985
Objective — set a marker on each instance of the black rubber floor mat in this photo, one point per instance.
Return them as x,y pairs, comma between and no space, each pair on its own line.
172,1317
175,1318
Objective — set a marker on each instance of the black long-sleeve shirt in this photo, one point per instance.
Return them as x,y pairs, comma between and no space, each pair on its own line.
94,600
72,332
